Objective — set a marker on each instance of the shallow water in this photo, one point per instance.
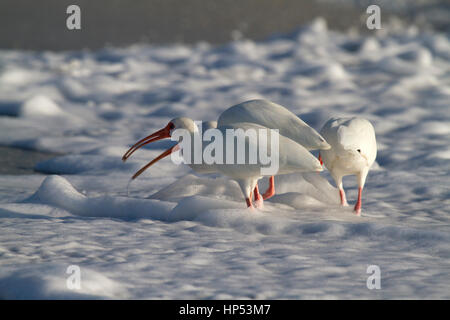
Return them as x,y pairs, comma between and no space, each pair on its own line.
21,161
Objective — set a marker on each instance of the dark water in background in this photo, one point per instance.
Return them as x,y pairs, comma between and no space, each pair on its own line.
41,25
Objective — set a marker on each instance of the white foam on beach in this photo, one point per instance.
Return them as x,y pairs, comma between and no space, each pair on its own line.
176,234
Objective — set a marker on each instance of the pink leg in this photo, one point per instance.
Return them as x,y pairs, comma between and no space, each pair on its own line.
258,198
256,193
249,202
358,203
343,198
271,190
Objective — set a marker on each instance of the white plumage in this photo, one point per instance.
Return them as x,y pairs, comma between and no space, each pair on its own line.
292,157
353,151
274,116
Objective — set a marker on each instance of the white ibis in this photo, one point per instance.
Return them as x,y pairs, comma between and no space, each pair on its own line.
274,116
291,156
201,168
353,151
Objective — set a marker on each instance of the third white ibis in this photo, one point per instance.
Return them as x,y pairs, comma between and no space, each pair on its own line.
353,151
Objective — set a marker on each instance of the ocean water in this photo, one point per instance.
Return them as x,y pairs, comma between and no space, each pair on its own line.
174,234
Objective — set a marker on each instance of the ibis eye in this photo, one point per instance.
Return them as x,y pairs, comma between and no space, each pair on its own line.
171,126
359,150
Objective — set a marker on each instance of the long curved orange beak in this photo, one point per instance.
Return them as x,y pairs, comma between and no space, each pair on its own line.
158,135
